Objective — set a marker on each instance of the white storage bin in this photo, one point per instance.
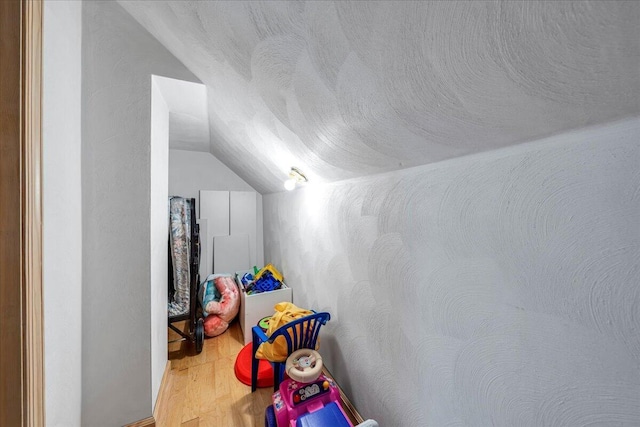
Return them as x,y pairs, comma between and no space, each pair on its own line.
256,306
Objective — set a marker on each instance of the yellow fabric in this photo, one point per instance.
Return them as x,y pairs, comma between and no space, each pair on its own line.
285,313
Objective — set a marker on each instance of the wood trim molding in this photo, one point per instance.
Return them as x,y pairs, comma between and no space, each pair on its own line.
11,340
31,203
162,402
21,337
147,422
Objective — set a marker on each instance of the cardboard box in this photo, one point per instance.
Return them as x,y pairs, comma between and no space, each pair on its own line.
256,306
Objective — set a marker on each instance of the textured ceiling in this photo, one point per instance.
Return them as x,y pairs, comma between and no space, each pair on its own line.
350,88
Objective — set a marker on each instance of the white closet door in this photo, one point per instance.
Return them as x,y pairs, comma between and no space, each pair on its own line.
243,214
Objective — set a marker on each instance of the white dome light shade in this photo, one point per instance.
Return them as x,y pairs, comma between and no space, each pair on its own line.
290,184
295,177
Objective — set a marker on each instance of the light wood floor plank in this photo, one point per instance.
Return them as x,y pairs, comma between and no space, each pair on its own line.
173,414
192,423
204,390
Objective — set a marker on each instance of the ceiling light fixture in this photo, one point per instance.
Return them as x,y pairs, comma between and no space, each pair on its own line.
295,177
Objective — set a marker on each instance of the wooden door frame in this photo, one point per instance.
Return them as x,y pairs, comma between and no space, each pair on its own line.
21,305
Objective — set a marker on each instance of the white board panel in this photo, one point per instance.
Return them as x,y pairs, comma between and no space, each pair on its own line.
231,253
214,206
206,259
242,208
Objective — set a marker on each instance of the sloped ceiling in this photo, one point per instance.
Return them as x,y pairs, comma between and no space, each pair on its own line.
350,88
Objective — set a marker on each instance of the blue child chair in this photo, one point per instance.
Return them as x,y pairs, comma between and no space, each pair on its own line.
304,336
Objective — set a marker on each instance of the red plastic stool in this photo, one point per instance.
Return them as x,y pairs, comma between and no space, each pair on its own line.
242,369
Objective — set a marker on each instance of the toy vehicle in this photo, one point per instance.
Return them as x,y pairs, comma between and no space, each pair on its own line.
307,398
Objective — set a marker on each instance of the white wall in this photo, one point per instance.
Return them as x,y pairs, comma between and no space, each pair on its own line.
119,58
495,289
62,212
188,114
159,224
192,171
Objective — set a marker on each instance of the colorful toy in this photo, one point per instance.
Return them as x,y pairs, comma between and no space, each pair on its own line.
266,283
220,313
308,398
265,280
304,365
264,323
246,279
270,268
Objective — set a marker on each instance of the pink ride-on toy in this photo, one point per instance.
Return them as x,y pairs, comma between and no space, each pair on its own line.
308,398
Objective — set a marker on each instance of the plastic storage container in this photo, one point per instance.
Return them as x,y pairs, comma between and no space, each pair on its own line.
256,306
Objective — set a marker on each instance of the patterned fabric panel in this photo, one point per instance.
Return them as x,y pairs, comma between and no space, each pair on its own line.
179,223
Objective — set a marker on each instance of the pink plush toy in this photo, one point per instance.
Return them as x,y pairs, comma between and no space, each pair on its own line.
222,312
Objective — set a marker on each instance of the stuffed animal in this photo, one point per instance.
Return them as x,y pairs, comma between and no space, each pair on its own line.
221,313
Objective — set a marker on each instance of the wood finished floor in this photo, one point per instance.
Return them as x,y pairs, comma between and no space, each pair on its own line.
202,390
